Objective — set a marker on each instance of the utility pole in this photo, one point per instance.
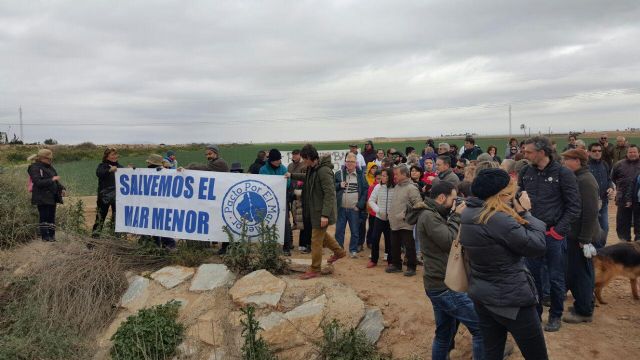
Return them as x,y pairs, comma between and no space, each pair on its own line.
21,126
509,120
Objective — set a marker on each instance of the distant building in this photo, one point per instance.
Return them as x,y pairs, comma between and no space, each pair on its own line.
3,138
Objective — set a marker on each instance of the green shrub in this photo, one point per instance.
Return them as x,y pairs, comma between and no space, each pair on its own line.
254,347
152,333
70,218
245,255
190,253
339,343
18,218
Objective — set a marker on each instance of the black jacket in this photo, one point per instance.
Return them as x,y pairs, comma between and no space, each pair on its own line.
586,229
623,174
633,194
106,179
45,190
496,251
602,173
554,195
255,167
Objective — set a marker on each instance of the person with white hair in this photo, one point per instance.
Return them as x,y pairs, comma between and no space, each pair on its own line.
47,192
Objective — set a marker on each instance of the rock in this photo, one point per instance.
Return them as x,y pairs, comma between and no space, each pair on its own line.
208,328
217,354
137,294
259,288
297,327
172,276
302,265
189,348
372,324
210,277
344,305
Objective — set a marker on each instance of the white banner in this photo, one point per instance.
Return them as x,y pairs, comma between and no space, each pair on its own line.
337,157
196,205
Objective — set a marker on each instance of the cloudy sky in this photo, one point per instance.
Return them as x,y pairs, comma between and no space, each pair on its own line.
256,71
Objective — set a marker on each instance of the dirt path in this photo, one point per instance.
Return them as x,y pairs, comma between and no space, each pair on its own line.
612,335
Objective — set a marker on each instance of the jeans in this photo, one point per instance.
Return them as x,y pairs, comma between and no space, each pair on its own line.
288,233
416,241
353,218
449,306
526,331
47,224
369,235
380,227
580,279
624,218
555,261
362,236
603,219
399,238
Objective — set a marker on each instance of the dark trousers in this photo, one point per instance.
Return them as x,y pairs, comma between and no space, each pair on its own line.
525,329
380,227
398,239
305,234
372,220
288,232
47,224
102,210
625,217
555,261
580,279
363,227
603,220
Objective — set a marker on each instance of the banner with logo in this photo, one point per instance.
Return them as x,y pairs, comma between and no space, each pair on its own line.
195,205
337,157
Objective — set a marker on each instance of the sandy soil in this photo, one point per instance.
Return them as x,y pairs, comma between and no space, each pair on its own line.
613,334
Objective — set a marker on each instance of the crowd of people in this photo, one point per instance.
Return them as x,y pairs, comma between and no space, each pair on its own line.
529,223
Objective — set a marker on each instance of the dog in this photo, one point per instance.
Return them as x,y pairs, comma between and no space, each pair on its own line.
622,259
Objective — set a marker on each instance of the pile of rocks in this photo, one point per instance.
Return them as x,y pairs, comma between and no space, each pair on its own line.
289,310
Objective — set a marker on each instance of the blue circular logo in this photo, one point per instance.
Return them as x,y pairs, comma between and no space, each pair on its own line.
250,202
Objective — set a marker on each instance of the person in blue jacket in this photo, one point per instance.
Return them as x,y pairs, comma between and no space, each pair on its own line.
274,166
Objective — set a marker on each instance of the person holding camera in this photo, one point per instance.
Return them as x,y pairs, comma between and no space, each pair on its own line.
497,232
437,220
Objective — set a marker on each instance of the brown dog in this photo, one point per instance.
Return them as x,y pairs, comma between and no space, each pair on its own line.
622,259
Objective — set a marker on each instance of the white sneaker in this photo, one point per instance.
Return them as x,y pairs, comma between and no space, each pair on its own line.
301,248
354,254
385,256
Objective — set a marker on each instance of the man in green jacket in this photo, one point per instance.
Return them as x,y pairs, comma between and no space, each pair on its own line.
320,207
437,227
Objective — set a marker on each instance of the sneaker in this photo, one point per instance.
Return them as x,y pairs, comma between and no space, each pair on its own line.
410,272
371,264
392,269
360,248
306,250
302,248
553,325
354,255
309,275
287,253
335,257
573,318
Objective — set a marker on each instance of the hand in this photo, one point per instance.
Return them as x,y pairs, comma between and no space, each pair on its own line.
589,251
56,178
628,204
611,193
460,208
324,221
524,201
343,184
287,175
64,193
356,208
130,166
113,168
180,169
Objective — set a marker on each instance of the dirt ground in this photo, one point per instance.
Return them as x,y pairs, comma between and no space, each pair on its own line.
612,335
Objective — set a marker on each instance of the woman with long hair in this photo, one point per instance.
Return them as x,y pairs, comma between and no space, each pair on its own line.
106,173
379,202
46,192
497,232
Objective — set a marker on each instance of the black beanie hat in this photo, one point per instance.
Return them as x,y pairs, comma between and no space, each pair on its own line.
274,154
489,182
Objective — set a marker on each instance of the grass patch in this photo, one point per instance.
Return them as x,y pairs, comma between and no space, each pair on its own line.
152,333
245,255
254,347
339,343
18,218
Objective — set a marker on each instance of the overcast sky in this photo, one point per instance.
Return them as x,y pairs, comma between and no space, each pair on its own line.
262,71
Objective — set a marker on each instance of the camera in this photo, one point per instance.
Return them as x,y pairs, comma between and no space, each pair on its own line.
459,200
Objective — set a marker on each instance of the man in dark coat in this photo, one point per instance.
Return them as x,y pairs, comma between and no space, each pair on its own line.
601,171
623,175
214,161
584,230
259,163
553,191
